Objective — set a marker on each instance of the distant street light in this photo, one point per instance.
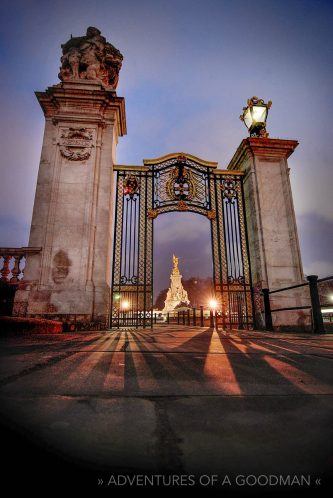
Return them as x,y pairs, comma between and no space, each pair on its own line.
255,116
125,305
213,304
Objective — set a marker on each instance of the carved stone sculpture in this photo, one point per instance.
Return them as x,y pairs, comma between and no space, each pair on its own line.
91,57
176,293
76,144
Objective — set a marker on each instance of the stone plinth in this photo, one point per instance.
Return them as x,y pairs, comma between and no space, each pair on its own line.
72,213
272,232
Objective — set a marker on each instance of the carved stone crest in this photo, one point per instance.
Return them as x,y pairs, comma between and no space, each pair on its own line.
91,57
76,144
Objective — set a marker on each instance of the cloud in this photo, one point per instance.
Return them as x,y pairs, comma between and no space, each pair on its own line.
316,241
320,268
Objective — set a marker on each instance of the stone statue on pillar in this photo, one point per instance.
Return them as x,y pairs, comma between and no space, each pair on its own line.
176,293
91,57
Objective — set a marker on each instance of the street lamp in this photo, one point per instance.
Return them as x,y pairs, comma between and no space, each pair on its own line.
255,116
124,305
213,304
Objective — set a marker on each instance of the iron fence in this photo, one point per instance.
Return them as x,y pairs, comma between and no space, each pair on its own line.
320,294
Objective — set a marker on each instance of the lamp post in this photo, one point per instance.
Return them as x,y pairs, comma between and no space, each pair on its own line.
255,117
125,307
212,305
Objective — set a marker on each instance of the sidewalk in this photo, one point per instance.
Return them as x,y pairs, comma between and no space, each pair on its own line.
176,400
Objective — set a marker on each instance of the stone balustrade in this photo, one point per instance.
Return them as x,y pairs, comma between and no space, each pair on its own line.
12,262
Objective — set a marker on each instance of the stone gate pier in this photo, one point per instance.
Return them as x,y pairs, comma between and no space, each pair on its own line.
72,213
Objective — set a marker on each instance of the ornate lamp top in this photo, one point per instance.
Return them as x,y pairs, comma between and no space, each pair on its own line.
91,57
255,115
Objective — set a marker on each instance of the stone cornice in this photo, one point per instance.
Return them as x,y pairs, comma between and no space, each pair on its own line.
72,101
20,251
272,148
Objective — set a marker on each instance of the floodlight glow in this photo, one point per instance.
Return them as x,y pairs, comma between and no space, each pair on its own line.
213,304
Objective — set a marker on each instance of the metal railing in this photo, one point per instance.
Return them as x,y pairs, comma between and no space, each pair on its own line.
316,303
195,317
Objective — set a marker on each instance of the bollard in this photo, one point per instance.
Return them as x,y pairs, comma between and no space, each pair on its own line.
168,317
201,316
183,317
194,317
267,307
211,319
317,317
178,318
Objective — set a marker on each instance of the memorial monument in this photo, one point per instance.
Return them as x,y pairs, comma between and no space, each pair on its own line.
176,294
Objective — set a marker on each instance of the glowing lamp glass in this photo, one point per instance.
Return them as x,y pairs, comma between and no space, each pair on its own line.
259,114
213,304
248,118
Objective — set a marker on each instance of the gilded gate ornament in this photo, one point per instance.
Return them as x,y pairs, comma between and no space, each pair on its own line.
131,186
152,213
181,183
211,214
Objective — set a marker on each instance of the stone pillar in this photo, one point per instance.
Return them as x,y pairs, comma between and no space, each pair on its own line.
72,213
272,232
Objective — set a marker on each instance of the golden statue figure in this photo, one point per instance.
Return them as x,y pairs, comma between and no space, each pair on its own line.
175,262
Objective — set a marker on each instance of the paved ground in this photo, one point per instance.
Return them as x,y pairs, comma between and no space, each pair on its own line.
176,400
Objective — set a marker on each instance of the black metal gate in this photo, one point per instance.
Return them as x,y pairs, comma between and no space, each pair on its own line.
178,182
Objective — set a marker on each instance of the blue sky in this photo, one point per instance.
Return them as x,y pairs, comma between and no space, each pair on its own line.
189,67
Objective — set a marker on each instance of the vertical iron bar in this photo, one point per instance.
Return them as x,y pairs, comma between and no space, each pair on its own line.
113,283
318,324
211,319
201,316
145,260
268,313
248,262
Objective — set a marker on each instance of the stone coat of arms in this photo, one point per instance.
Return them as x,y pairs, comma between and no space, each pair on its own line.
76,144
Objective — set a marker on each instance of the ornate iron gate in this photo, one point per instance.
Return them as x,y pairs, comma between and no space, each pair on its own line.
178,182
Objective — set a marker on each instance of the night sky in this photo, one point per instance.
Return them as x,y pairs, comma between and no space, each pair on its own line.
189,67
